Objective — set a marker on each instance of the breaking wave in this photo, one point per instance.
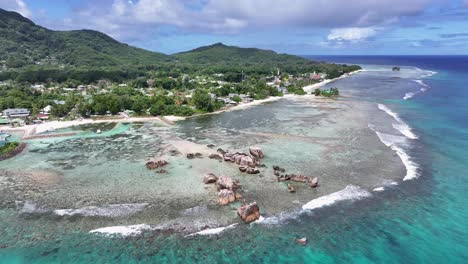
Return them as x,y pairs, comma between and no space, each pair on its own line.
130,230
409,95
112,210
395,143
424,86
402,127
212,231
351,192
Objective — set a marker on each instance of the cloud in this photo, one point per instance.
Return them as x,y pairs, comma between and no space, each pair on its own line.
123,17
17,6
453,35
353,34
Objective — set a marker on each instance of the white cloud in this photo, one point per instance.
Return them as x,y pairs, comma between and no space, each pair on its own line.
352,34
17,6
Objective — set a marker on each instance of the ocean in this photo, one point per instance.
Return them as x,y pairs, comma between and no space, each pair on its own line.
419,115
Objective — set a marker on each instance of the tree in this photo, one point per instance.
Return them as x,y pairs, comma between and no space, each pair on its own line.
113,104
158,108
202,100
317,92
236,99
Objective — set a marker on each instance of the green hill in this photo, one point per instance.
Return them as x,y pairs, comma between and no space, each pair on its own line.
31,53
24,43
222,54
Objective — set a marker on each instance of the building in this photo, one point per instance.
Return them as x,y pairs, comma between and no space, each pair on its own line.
15,112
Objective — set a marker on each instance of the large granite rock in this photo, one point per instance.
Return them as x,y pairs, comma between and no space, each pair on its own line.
224,182
256,152
209,178
226,196
249,212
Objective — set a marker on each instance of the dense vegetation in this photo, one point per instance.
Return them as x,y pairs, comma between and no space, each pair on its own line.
8,147
123,78
31,53
32,48
327,93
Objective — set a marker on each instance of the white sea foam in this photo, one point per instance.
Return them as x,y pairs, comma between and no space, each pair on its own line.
111,210
278,219
402,127
378,189
130,230
212,231
409,95
395,142
351,192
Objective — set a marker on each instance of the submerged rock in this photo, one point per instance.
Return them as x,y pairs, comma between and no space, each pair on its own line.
226,196
299,178
249,170
209,178
194,155
284,178
291,188
256,152
151,165
216,156
249,212
278,169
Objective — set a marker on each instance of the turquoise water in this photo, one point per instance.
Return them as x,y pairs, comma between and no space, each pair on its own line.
417,221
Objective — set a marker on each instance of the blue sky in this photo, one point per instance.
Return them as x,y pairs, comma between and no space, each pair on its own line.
291,26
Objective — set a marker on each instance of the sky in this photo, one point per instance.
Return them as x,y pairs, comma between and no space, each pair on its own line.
315,27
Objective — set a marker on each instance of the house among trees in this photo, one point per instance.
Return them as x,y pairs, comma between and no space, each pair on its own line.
15,112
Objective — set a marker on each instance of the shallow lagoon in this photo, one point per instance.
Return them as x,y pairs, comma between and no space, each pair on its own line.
328,139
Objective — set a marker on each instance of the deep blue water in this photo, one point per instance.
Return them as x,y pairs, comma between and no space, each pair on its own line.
419,221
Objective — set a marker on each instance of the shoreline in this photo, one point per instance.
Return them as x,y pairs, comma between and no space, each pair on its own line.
310,88
30,131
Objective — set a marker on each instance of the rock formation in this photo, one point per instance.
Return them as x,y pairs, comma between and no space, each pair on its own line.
209,178
249,212
224,182
256,152
226,196
151,165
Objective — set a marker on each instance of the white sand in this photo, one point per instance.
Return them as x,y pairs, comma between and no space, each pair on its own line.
31,130
310,88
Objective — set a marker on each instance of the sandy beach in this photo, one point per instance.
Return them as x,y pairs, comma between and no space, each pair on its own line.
32,130
310,88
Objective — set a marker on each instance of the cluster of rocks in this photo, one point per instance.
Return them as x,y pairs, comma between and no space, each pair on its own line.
247,162
152,165
311,181
194,155
228,192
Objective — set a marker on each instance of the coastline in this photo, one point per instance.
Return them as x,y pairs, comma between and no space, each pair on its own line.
30,131
310,88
